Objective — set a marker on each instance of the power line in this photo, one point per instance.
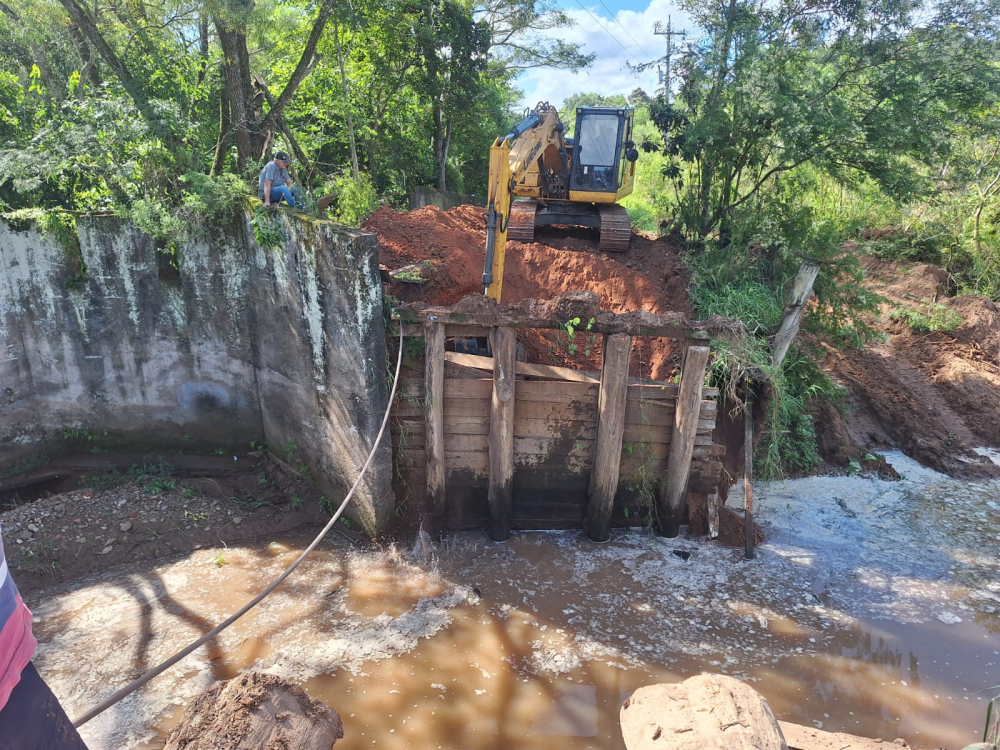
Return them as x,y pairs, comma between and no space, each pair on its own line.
627,53
614,17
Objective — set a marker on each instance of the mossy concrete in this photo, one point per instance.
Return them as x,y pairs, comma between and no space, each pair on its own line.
224,345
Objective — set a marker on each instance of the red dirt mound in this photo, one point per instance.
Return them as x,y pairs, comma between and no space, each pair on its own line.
646,277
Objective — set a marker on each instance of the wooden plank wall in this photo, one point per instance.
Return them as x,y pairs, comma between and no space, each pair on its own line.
555,426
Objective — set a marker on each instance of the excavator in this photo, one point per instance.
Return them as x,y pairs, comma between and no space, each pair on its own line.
539,177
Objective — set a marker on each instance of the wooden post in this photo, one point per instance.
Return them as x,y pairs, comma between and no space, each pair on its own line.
713,515
671,492
748,479
794,307
610,428
434,423
502,433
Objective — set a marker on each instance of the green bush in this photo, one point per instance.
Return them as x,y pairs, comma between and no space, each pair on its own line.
203,201
900,245
931,319
357,199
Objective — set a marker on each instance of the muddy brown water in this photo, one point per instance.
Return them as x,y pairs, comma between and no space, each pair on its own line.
872,609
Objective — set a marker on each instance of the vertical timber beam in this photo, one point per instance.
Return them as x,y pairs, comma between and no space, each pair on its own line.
713,515
670,497
795,305
748,480
434,423
610,428
502,433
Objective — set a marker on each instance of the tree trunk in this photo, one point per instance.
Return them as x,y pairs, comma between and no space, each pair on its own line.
440,149
251,127
88,27
236,74
355,170
225,131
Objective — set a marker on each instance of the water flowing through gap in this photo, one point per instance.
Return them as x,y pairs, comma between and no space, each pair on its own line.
872,609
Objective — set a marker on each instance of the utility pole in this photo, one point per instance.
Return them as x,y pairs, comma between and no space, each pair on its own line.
669,33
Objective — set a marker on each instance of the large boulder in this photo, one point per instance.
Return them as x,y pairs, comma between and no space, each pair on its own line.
256,712
707,712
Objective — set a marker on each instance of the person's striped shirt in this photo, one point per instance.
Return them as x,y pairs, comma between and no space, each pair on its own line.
17,644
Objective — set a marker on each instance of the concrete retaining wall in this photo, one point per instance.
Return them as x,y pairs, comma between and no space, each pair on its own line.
443,199
237,344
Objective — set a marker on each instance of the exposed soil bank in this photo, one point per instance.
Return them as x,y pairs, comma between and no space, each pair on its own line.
935,395
144,507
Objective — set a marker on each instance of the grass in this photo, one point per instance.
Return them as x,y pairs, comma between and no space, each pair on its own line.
931,319
153,476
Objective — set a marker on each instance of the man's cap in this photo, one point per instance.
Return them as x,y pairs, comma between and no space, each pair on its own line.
281,155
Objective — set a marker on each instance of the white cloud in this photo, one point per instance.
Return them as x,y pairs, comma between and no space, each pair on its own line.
608,74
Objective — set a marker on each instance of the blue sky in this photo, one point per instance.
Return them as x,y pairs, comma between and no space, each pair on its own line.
627,36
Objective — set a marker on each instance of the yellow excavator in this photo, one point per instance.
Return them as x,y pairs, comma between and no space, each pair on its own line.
557,180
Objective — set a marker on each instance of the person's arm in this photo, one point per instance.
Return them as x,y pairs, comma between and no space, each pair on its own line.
267,192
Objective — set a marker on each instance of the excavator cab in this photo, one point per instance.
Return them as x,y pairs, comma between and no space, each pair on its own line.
600,152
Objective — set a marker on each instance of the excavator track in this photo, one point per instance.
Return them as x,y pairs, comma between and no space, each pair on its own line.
521,225
616,228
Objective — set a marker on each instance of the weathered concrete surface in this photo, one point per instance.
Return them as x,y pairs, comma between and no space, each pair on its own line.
254,711
236,344
443,199
122,352
320,355
705,712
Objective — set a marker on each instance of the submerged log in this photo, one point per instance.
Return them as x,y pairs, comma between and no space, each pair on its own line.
256,711
707,712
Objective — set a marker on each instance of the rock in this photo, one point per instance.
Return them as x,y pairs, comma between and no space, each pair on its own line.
107,549
415,273
126,527
59,507
237,521
32,528
255,711
707,712
900,741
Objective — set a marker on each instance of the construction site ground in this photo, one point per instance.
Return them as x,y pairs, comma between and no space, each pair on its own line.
934,395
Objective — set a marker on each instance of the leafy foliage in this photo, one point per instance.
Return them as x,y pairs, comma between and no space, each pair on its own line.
356,199
932,318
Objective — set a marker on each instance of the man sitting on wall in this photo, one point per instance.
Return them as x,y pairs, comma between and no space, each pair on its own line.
275,184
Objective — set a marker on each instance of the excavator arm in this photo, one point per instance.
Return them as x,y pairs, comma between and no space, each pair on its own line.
497,215
531,138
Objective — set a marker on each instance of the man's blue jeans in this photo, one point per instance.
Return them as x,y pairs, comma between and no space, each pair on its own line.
34,720
282,193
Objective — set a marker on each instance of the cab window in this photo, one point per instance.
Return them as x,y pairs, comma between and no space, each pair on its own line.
598,139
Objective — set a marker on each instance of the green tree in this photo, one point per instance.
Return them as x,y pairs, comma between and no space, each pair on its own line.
852,87
452,48
518,39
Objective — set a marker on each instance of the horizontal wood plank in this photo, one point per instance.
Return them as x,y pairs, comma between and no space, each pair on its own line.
525,427
542,390
525,368
635,323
